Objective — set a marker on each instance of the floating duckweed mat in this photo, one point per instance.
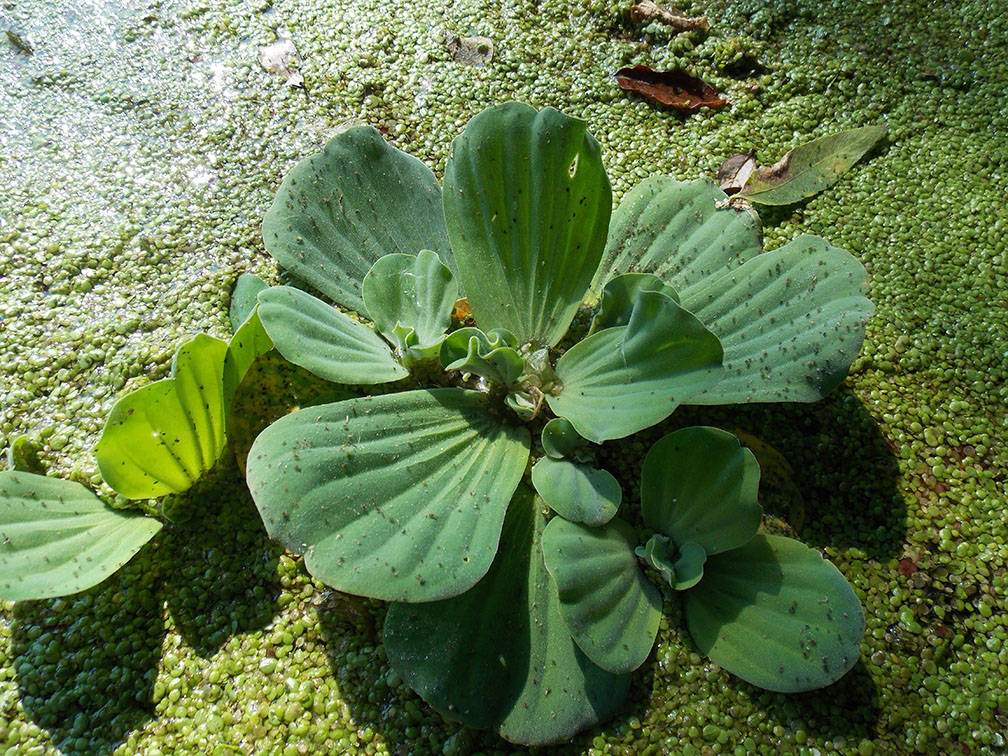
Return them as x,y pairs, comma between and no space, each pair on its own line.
144,144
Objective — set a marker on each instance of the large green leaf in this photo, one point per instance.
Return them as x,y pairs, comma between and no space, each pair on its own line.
316,336
501,654
161,438
339,211
700,485
399,497
527,204
410,298
611,608
674,230
776,614
579,493
624,379
791,322
811,167
58,538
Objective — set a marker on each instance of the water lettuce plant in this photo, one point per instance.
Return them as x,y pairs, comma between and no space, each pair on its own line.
460,353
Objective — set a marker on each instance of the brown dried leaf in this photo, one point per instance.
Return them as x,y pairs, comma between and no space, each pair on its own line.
673,88
735,171
646,10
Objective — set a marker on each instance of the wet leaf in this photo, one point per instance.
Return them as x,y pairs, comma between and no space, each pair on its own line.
675,89
810,167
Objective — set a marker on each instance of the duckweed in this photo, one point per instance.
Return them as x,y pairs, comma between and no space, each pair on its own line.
156,149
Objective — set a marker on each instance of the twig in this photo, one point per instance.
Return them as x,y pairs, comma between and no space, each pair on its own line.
646,10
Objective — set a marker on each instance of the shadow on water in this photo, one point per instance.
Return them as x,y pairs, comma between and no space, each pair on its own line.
222,578
86,664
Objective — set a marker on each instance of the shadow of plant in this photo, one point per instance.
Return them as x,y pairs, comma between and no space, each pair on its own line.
86,664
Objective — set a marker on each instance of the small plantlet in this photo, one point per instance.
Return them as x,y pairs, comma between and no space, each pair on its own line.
478,342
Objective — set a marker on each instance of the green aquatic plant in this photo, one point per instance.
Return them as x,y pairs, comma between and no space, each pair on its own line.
447,463
520,603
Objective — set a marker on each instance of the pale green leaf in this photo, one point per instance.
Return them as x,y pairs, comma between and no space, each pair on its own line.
622,380
490,355
339,211
620,294
57,538
243,298
399,497
811,167
163,437
317,336
501,655
611,608
561,441
579,493
699,484
777,614
248,343
681,568
527,204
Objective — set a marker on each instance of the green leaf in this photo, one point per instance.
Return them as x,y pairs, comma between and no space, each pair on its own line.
58,538
249,342
622,380
271,388
777,614
243,298
699,484
399,497
810,167
490,355
620,294
611,608
501,655
561,441
316,336
22,455
579,493
339,211
680,568
410,299
163,437
674,230
527,204
791,322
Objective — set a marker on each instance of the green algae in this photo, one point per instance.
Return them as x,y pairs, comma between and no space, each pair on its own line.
138,167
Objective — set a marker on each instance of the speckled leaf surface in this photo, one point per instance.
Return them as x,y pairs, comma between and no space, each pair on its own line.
411,294
579,493
527,204
399,497
791,322
339,211
244,298
673,230
777,614
700,485
611,608
501,655
57,538
249,342
161,438
622,380
317,336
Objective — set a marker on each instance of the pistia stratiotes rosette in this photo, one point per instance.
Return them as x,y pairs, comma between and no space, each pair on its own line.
520,602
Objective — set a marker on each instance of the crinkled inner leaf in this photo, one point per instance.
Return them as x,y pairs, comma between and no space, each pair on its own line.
490,355
161,438
399,497
699,484
791,322
501,655
611,608
527,204
317,336
622,380
339,211
58,538
413,292
776,614
579,493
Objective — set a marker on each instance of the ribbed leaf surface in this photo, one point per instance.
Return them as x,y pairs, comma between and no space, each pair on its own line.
527,204
58,538
577,492
337,212
400,497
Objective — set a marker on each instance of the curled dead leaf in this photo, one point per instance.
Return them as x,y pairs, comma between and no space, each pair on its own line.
675,89
646,10
282,58
735,172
